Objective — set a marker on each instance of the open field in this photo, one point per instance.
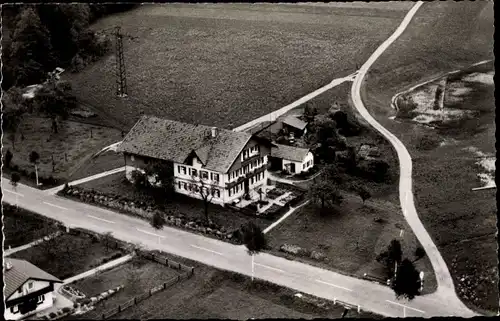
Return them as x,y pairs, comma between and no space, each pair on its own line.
137,276
350,238
236,61
216,294
68,255
117,184
101,163
73,145
446,36
21,227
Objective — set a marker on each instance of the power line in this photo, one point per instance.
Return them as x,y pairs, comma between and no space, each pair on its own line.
121,78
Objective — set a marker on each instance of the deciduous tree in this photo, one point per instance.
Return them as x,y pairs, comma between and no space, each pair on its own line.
31,48
407,281
254,240
158,220
8,158
325,192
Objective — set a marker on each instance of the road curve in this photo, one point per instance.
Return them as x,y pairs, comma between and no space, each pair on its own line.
289,273
446,288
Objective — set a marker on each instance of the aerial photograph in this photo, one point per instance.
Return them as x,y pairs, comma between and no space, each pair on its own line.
241,161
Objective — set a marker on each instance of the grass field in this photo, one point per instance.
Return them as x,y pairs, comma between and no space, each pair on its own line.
21,227
67,255
71,147
224,65
350,238
215,294
137,276
116,184
446,36
101,163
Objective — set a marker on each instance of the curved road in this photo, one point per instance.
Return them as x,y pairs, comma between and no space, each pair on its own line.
446,288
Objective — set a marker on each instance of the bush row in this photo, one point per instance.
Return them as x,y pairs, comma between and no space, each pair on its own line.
146,210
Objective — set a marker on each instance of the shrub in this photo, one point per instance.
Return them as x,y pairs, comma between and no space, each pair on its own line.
8,158
16,169
76,305
427,142
66,309
52,315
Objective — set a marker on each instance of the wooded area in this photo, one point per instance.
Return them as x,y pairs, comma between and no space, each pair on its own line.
38,38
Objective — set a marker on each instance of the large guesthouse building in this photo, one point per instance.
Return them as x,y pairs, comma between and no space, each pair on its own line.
227,164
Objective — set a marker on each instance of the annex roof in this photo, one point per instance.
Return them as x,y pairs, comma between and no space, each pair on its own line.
20,272
295,122
174,141
291,153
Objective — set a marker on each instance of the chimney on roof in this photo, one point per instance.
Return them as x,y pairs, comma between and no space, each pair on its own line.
214,131
8,265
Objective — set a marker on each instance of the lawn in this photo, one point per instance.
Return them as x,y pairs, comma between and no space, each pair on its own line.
137,276
101,163
216,294
68,255
21,227
74,144
193,209
236,61
446,36
350,237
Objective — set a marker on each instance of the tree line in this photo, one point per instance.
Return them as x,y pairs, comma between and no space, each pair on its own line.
40,37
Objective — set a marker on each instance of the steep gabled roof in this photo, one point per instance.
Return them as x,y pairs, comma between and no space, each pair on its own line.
295,122
20,272
291,153
175,141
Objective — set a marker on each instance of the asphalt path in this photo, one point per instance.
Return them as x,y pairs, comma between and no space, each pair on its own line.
446,288
299,276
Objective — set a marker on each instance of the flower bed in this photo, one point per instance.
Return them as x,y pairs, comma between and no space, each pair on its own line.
275,193
144,210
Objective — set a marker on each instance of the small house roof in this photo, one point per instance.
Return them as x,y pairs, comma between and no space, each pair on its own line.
20,272
291,153
295,122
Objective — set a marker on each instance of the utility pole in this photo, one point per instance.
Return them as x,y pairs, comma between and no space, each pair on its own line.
121,78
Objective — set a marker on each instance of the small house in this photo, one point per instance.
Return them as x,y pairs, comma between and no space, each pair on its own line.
293,125
28,289
293,160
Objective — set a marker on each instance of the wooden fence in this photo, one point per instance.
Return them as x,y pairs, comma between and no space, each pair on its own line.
167,262
188,271
136,300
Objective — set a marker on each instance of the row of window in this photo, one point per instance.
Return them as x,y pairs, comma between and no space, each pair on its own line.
309,162
15,309
195,188
257,178
239,187
194,173
247,168
250,152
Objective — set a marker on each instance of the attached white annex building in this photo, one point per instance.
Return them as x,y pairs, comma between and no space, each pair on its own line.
227,165
294,160
28,289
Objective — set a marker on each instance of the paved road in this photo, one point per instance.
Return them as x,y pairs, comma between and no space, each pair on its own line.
446,288
301,277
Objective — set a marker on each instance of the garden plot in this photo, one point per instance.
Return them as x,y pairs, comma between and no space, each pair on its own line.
60,154
21,227
71,254
136,277
216,294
